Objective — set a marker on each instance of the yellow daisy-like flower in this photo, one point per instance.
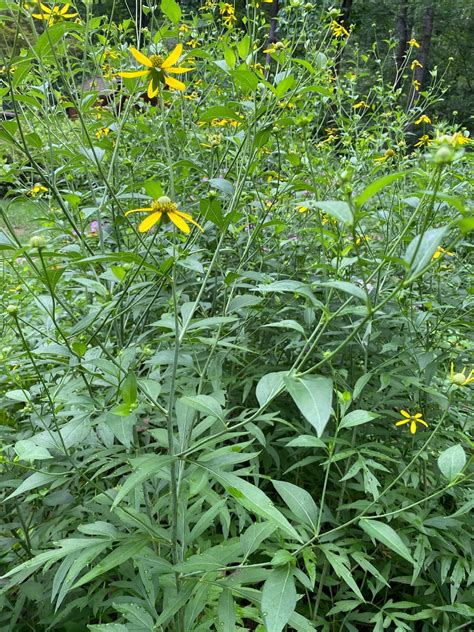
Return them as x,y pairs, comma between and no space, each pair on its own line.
415,64
338,29
413,43
416,84
157,70
56,14
360,104
460,378
101,132
301,208
388,154
423,119
441,251
413,420
423,140
37,189
275,47
164,208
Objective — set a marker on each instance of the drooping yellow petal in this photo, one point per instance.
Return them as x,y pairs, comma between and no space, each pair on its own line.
413,427
150,221
139,210
402,421
173,57
174,83
405,414
152,91
69,15
418,416
179,222
133,73
422,421
188,218
64,9
141,58
44,8
178,71
40,16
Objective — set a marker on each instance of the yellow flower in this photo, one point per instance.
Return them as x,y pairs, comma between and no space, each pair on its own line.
164,207
184,28
441,251
227,12
360,104
37,190
338,29
459,139
158,69
423,119
412,42
460,379
101,132
388,154
423,140
412,420
415,64
275,47
54,15
301,208
416,84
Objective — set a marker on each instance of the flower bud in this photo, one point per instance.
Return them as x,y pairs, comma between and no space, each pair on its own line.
444,156
37,241
164,199
12,309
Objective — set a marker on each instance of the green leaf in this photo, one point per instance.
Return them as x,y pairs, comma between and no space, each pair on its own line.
306,441
172,10
348,288
339,210
376,186
299,501
451,462
121,425
117,557
422,248
313,396
243,47
245,79
145,468
204,404
128,389
384,533
287,324
356,418
252,498
226,611
278,599
269,386
38,479
340,565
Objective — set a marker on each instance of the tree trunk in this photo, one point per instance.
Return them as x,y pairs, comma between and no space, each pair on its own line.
420,73
346,7
404,34
272,38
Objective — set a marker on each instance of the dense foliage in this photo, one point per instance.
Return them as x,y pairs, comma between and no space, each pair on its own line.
247,404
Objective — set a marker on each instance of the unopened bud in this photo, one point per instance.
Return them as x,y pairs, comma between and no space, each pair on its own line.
444,156
37,241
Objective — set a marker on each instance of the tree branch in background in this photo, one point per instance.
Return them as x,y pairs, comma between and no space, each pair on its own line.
404,33
420,74
272,37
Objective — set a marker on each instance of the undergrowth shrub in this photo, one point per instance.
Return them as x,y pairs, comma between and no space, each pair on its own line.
247,405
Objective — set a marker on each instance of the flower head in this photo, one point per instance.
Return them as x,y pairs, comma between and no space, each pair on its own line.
423,119
56,14
164,208
275,47
157,70
416,84
413,420
413,43
460,378
415,64
441,251
388,154
37,190
423,140
101,132
338,29
301,208
227,12
360,104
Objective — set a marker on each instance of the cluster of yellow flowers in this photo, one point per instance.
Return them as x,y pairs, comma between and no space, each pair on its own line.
227,12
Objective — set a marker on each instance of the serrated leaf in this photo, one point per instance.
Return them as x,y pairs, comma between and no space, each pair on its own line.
313,396
253,499
117,557
269,386
356,418
386,535
452,461
278,599
299,501
340,210
422,248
